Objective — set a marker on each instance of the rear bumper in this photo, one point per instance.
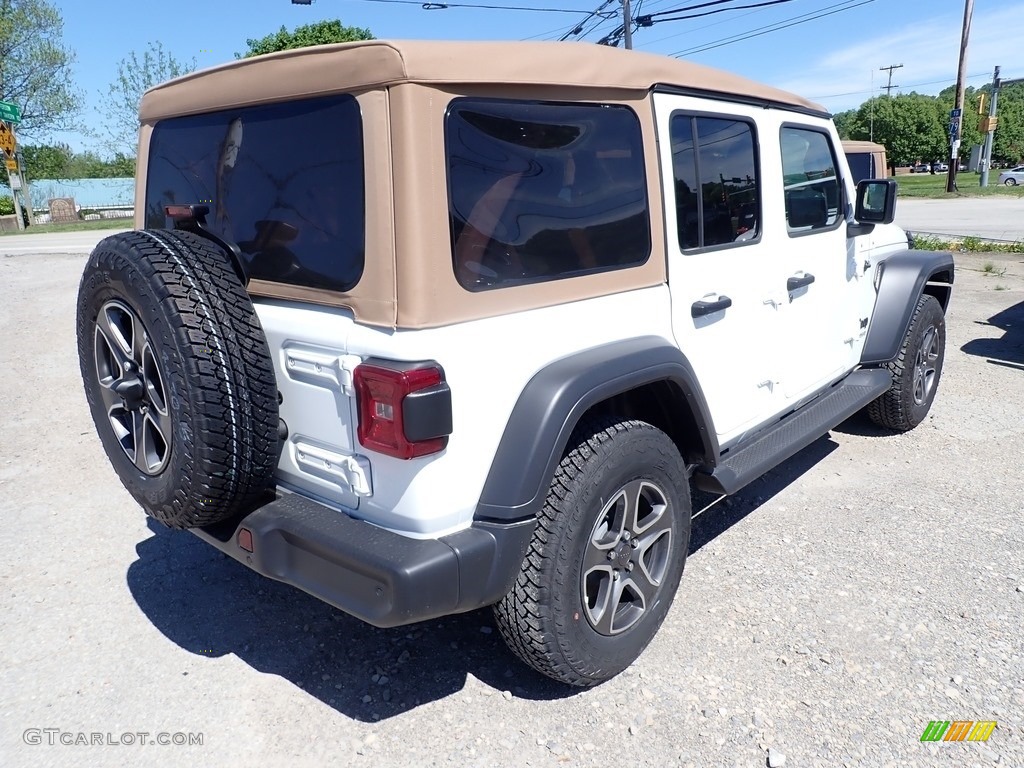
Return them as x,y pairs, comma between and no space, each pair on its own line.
378,576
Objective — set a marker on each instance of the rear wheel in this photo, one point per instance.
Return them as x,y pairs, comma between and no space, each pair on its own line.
916,370
178,376
606,556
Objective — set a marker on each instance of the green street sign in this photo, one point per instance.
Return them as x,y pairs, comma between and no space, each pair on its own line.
10,112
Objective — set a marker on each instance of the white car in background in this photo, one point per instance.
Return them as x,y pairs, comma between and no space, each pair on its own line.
1012,177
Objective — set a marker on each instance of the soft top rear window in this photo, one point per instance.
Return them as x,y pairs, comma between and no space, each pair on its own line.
543,191
285,182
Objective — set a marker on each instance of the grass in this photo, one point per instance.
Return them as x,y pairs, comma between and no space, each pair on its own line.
74,226
967,182
969,245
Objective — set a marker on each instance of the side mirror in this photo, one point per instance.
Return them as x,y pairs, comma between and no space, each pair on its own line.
876,201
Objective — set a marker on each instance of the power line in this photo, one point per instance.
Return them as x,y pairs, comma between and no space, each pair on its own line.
445,6
598,13
911,85
759,31
649,19
693,30
576,30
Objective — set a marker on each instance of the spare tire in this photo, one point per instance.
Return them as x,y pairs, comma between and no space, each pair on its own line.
178,376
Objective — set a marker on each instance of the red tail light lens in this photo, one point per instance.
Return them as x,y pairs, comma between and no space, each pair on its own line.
380,395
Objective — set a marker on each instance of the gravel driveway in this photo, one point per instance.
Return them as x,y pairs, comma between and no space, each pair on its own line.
871,584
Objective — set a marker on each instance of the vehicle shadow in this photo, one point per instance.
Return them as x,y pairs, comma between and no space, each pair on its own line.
724,515
210,605
1008,350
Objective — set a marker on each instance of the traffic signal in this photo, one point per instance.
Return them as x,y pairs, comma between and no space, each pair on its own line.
981,99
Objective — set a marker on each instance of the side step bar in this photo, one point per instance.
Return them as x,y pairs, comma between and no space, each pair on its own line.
773,445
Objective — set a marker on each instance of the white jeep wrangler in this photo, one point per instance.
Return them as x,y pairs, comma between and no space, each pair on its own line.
422,327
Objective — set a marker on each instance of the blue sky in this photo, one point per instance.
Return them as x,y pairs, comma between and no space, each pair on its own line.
834,59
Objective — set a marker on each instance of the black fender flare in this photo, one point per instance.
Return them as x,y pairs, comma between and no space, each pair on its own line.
555,399
905,276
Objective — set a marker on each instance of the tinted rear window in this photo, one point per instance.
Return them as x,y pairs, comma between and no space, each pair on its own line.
541,191
283,181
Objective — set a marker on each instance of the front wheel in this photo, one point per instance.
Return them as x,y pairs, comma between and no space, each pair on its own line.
915,371
1011,182
606,556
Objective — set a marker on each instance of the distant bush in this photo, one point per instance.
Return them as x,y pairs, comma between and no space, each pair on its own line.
971,244
7,209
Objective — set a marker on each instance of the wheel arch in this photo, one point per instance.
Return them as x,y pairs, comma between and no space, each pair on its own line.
905,276
645,378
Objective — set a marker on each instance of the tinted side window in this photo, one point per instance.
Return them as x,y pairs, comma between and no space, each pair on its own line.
810,179
282,181
714,164
542,191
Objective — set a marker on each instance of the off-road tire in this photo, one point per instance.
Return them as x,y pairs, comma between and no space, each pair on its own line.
544,619
915,371
205,360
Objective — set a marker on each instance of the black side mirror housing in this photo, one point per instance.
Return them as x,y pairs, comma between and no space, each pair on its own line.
876,201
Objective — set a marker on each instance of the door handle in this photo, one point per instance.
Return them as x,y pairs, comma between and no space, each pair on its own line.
701,308
799,282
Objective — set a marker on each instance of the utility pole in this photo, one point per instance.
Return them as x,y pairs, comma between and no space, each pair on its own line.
627,24
989,124
986,153
871,107
956,116
890,86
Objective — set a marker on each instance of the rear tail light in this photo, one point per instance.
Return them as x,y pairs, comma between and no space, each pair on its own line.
405,410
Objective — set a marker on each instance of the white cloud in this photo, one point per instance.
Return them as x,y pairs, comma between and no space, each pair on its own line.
929,51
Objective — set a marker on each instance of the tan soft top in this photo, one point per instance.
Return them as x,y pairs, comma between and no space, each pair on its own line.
350,67
850,145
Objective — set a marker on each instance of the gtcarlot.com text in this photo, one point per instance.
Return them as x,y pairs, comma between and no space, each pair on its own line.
58,736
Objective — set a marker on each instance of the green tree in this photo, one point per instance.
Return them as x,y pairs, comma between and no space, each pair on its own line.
121,166
322,33
847,123
35,66
58,161
90,165
47,161
135,75
907,125
1008,146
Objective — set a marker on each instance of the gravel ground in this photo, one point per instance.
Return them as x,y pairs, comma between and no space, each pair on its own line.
827,613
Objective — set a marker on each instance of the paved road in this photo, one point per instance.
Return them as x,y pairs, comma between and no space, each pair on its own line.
995,218
868,586
59,242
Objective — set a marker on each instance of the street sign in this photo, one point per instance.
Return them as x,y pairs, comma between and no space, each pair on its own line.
10,112
954,131
12,165
954,113
6,139
988,124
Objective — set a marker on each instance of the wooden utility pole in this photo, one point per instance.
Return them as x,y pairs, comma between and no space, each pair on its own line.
627,23
956,116
890,86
